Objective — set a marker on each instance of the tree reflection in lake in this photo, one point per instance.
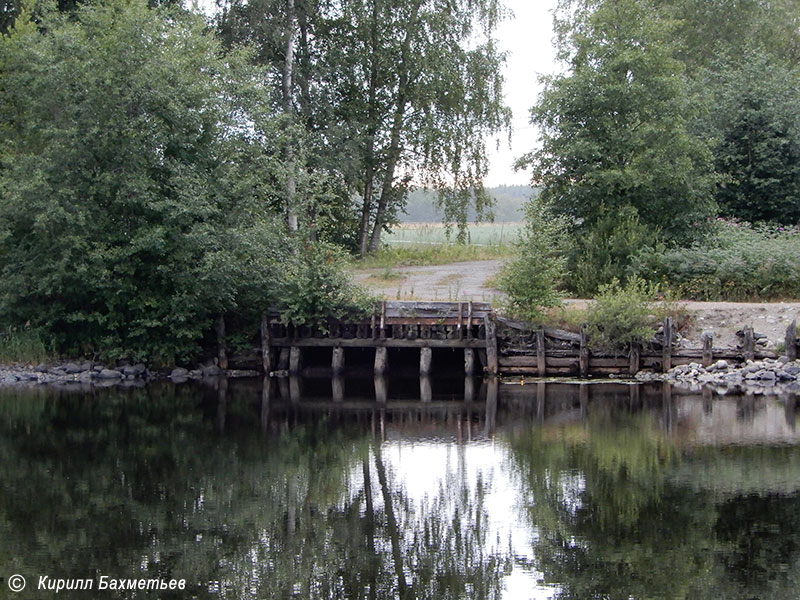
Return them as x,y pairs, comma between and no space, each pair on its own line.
164,482
254,491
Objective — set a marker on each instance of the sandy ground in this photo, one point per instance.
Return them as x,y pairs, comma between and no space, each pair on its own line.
466,281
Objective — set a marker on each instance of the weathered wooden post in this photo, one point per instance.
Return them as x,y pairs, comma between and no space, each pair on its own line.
283,359
708,347
337,388
469,320
635,359
381,360
541,358
583,358
222,350
492,364
266,350
381,392
425,360
383,320
425,388
749,343
337,360
666,354
469,389
791,340
469,361
295,360
295,389
460,321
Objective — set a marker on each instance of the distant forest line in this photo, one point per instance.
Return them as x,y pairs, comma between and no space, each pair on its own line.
509,205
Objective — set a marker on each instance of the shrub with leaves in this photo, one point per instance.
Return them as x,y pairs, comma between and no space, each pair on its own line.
604,252
532,279
317,287
739,262
622,315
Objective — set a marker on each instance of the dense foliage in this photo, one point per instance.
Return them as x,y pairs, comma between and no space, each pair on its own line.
140,173
669,113
387,91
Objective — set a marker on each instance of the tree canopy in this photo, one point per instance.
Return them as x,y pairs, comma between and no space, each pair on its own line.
136,182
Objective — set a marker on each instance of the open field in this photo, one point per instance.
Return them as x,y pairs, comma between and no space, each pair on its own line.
483,234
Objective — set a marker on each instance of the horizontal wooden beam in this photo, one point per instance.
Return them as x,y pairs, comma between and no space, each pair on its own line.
370,343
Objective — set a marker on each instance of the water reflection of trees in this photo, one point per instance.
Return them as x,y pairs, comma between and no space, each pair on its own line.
611,518
143,484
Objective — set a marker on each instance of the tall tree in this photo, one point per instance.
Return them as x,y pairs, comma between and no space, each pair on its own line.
129,217
616,125
392,92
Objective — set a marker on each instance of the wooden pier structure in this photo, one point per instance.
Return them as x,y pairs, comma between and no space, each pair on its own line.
492,345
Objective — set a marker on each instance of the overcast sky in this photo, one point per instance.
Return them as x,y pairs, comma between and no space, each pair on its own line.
526,37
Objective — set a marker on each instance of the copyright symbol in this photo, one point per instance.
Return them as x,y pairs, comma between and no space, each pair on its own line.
16,583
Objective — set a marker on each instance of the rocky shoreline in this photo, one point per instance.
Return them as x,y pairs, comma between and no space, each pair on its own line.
88,372
766,376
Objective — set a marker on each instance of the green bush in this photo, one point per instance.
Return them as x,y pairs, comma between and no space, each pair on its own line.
532,279
317,287
739,262
622,315
605,251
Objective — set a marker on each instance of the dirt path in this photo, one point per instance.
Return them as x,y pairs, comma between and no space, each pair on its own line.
456,282
466,281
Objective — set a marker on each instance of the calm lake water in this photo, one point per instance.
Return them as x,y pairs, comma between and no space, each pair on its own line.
314,489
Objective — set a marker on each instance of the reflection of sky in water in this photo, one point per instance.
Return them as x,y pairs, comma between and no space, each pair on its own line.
439,471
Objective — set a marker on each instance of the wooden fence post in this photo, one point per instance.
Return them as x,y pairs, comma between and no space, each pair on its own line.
492,364
708,348
749,343
666,355
791,340
635,356
541,358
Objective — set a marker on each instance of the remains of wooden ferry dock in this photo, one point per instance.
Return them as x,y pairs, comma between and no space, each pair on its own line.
491,344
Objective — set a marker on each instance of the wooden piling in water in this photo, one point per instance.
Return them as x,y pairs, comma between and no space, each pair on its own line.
469,361
492,365
337,360
295,360
425,389
425,360
381,360
283,359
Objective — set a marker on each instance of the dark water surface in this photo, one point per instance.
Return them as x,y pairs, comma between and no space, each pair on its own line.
315,489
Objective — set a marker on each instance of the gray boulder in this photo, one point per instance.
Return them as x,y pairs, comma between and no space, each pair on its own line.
109,374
